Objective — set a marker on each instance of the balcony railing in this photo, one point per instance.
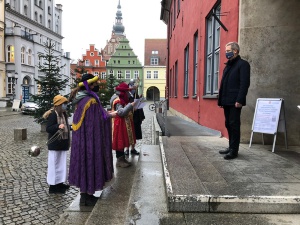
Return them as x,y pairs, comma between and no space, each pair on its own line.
9,30
26,35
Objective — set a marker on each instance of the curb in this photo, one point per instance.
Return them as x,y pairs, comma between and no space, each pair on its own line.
225,203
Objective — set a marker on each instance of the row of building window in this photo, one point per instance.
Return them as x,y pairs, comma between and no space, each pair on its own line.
212,63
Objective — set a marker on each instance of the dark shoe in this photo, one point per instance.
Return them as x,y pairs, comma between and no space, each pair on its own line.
122,162
231,155
87,200
56,189
126,152
64,186
82,198
134,152
90,200
226,151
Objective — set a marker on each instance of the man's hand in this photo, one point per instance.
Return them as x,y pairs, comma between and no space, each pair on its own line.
238,105
113,114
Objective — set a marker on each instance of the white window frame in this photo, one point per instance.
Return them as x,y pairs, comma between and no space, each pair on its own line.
154,61
155,74
23,55
212,63
136,74
148,74
127,74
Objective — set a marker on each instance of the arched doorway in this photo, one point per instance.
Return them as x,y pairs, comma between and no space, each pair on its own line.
25,89
153,94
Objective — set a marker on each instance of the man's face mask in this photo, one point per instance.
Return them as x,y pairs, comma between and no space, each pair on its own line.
229,55
96,89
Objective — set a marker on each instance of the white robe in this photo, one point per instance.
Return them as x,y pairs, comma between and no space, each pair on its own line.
57,167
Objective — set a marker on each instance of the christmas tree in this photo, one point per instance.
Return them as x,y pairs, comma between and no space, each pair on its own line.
50,83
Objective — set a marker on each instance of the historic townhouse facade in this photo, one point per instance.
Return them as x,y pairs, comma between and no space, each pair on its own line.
268,33
155,58
29,24
92,62
125,65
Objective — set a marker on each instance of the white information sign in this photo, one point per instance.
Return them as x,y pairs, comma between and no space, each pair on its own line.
269,118
16,105
266,116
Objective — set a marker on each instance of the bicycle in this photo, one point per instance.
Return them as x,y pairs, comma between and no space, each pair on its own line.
152,107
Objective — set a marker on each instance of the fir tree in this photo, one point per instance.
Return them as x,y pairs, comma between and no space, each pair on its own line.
107,89
51,83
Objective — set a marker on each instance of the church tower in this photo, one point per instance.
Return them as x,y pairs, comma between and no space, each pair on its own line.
116,35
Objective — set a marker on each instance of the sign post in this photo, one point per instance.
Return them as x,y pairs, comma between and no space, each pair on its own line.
269,118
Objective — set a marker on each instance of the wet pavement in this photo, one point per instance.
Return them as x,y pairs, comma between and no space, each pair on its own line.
24,197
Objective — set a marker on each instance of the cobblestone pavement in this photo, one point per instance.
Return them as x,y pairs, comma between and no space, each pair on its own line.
24,197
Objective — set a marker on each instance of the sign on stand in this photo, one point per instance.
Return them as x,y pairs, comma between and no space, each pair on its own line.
269,118
16,105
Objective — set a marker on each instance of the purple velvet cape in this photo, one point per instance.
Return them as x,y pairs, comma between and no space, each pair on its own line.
91,161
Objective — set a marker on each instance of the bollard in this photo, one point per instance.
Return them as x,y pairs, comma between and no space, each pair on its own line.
20,134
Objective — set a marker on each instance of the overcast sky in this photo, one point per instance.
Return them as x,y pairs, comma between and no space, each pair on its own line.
91,22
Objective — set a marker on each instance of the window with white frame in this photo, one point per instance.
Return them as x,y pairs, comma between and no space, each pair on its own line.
41,19
154,52
96,62
9,85
103,75
119,74
154,61
155,74
186,71
92,54
23,55
10,53
195,66
87,62
49,23
212,53
148,75
96,73
136,74
127,74
29,57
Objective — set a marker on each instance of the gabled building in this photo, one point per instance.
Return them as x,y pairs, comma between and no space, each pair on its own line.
155,69
268,34
28,25
93,63
125,65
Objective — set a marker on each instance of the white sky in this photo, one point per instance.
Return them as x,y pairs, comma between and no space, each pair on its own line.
91,22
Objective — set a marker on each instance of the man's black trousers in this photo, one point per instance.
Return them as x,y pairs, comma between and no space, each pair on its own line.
233,125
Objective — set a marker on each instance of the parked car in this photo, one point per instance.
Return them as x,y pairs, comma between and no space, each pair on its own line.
29,107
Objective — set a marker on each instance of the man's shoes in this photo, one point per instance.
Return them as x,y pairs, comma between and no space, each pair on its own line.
64,186
87,200
231,155
226,151
122,162
134,152
126,152
56,189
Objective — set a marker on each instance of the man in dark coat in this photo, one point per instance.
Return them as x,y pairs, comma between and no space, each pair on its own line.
232,96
